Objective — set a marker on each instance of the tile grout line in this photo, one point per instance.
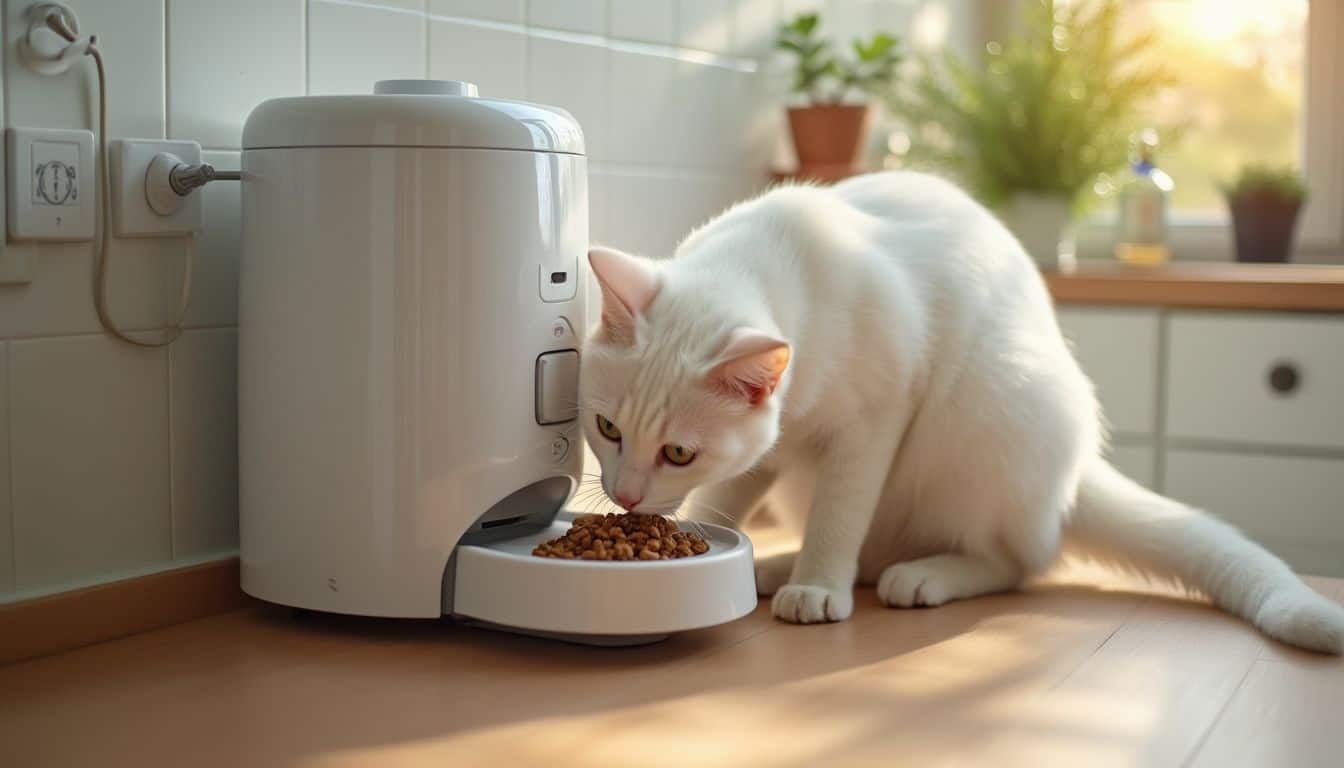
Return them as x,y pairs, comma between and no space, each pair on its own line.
675,52
94,334
172,500
9,467
167,120
527,54
307,48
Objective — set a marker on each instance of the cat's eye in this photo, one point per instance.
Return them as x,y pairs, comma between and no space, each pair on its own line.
678,454
608,429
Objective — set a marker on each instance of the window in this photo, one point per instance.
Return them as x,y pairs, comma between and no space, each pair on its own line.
1259,81
1240,66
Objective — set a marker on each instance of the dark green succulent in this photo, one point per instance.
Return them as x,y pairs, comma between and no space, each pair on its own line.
1266,181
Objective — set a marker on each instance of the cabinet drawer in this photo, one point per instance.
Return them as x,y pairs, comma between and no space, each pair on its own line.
1117,348
1257,377
1293,506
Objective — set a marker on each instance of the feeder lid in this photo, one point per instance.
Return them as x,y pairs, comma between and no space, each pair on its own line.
445,114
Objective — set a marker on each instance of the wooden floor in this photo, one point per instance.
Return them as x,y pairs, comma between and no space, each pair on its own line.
1063,674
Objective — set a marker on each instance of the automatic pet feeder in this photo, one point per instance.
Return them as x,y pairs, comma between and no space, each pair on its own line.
412,294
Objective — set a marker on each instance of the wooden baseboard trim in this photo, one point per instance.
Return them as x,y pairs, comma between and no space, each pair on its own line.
68,620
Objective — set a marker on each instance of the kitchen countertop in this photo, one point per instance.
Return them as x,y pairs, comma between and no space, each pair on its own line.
1085,669
1289,287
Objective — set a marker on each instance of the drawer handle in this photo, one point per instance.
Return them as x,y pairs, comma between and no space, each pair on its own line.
1284,378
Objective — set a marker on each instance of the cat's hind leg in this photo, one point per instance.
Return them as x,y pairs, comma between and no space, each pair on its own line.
939,579
1021,543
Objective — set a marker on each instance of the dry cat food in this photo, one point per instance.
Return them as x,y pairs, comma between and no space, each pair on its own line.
623,537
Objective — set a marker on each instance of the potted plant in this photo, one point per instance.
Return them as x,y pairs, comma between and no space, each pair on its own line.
829,129
1033,124
1265,201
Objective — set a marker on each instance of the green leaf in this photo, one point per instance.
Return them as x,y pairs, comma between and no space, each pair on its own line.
1031,116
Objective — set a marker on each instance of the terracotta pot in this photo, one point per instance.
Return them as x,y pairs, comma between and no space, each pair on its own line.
829,135
1264,228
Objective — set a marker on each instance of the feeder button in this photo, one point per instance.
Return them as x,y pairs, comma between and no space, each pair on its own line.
557,387
561,332
559,448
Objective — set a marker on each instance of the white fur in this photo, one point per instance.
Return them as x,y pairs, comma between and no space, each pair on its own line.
945,435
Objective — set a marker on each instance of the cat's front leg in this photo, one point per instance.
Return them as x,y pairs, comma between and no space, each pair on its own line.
729,502
851,475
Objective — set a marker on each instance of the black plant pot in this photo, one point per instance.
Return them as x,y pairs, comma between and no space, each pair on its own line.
1264,228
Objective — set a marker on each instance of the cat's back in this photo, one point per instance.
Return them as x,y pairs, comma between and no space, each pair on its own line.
929,225
907,195
899,228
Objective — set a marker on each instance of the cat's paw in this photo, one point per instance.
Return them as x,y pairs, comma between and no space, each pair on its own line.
910,585
773,572
810,604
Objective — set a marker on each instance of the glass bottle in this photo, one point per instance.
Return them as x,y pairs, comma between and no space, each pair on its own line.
1142,236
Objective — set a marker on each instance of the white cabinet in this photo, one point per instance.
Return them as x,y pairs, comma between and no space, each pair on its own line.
1292,505
1118,348
1138,461
1239,413
1257,377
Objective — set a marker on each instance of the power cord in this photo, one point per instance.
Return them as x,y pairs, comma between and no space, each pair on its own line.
182,178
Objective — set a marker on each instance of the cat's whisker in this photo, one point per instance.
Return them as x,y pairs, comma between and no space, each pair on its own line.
694,524
710,508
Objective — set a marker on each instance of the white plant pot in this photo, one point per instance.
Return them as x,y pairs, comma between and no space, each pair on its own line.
1040,223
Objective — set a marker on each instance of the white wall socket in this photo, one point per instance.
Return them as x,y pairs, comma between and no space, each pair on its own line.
52,189
130,208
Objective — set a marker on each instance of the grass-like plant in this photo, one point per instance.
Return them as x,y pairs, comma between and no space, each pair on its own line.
1260,182
828,79
1044,112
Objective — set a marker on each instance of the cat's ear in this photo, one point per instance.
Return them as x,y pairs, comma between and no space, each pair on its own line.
629,285
750,366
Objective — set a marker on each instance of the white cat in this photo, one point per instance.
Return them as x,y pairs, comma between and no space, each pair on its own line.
889,343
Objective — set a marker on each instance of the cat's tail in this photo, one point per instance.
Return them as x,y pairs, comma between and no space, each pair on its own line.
1118,521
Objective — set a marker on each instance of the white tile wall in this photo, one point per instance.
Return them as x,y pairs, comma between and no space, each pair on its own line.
350,47
247,50
554,66
89,444
122,459
572,15
493,59
203,393
130,34
514,11
650,21
754,26
214,296
706,25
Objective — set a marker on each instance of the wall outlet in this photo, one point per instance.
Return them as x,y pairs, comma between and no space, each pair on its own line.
52,188
131,211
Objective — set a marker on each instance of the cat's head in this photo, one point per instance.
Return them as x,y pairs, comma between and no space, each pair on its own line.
674,393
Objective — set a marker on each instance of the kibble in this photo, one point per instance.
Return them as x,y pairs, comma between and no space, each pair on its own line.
623,537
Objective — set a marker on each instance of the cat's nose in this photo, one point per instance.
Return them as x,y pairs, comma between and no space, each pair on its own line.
628,501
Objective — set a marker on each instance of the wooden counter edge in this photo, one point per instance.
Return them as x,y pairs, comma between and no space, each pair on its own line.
1293,289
